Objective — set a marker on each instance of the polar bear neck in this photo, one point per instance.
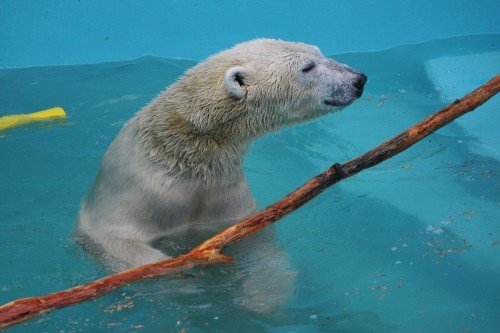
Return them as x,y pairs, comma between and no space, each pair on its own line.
173,142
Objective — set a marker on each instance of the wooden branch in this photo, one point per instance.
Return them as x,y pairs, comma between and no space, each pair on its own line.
209,252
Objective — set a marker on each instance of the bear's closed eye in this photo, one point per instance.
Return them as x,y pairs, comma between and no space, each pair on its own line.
310,66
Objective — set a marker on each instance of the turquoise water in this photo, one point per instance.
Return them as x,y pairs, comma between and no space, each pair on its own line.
76,32
407,246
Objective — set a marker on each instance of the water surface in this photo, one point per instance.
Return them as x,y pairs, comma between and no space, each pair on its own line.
411,245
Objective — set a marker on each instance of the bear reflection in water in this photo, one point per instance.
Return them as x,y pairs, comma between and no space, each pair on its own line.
176,167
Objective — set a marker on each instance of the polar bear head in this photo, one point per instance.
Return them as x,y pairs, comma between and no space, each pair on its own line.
217,107
266,84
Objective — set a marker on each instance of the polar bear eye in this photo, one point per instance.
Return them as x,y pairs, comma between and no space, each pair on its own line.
310,66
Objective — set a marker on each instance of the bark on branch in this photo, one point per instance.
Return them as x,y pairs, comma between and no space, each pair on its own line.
209,252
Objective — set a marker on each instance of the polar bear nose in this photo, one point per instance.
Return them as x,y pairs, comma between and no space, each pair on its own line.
359,83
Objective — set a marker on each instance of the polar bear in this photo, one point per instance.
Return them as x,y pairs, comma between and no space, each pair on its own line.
176,166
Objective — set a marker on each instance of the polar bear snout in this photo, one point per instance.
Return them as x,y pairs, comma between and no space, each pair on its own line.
346,91
359,84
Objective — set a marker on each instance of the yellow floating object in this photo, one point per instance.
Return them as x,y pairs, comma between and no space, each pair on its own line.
10,121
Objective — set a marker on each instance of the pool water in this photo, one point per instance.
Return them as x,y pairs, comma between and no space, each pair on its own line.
411,245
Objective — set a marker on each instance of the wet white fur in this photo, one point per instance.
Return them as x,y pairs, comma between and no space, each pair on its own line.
177,165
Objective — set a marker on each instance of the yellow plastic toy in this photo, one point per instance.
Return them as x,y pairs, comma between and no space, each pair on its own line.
10,121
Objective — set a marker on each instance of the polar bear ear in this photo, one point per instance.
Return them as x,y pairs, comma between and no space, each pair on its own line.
234,81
